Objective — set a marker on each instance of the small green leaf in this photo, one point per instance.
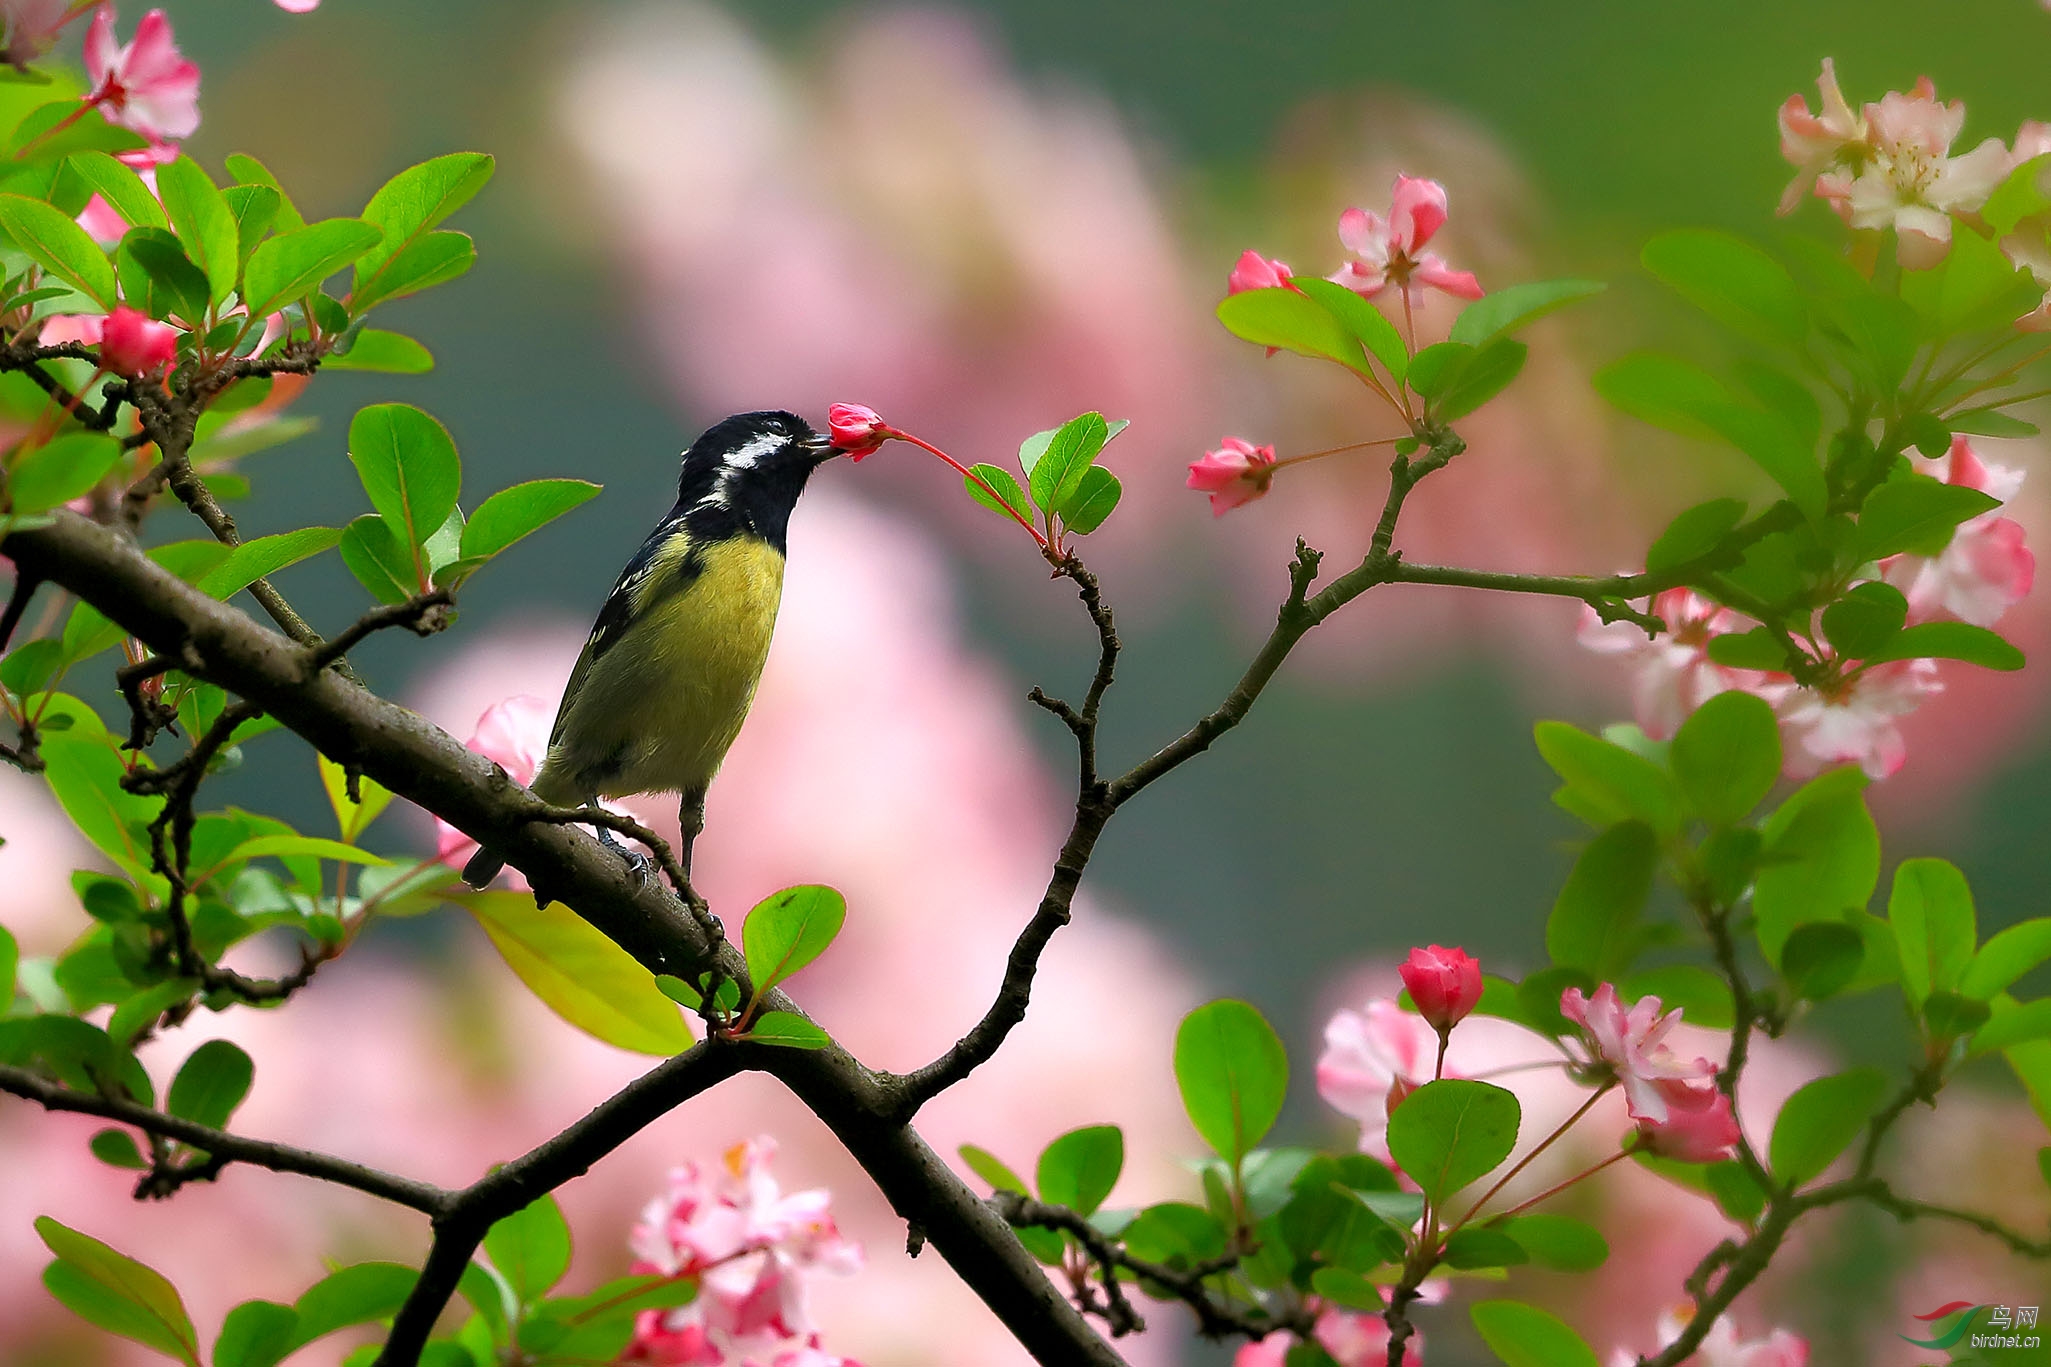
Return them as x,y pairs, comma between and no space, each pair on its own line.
1362,319
1448,1133
1079,1169
1991,422
116,1148
51,476
117,1293
1093,500
992,1170
1975,286
1950,641
388,353
1558,1242
264,557
356,1294
1694,533
2007,955
1594,922
1347,1289
211,1084
255,208
408,205
788,930
1478,1247
256,1334
1683,398
511,514
60,247
1009,494
159,278
1731,281
580,974
10,963
1820,959
531,1249
249,171
1621,784
1916,513
433,259
1726,756
408,466
1866,619
378,561
1947,1016
1233,1073
1819,856
789,1030
2006,1026
351,816
294,263
1525,1336
1819,1121
1931,910
1293,321
203,222
1435,368
1481,379
1058,472
121,187
301,846
1512,307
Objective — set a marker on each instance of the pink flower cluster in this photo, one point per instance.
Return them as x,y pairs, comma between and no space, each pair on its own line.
1679,1109
1984,570
1721,1347
1889,165
514,735
752,1249
1353,1339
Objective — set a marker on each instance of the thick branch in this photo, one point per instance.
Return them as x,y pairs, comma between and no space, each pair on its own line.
231,1147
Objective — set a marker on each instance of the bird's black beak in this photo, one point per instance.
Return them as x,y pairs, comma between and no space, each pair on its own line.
820,448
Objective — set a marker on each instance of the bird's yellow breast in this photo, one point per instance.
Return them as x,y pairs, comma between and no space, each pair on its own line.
658,710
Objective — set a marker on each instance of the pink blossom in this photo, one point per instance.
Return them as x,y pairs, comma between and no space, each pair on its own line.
1817,142
72,327
1391,251
1675,673
1627,1045
1358,1340
32,27
1700,1126
808,1354
1854,722
1372,1059
1911,182
1721,1347
1237,472
132,343
147,85
299,6
751,1247
513,734
1985,569
1444,983
1256,272
856,430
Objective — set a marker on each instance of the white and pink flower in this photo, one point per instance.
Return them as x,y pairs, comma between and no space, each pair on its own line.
1819,142
1674,672
146,85
1391,251
1985,569
1237,472
1721,1346
1904,176
513,734
1856,721
1256,272
1372,1059
1628,1046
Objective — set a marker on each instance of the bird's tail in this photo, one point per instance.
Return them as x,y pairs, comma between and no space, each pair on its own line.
483,867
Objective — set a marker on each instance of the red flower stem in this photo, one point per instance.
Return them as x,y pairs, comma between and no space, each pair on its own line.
1333,451
1525,1161
1551,1192
970,476
1439,1070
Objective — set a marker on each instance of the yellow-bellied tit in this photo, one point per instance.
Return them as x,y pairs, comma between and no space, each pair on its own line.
671,666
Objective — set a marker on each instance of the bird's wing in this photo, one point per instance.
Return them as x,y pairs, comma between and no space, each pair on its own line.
658,569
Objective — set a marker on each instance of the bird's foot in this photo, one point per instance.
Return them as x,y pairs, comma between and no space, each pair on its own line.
639,865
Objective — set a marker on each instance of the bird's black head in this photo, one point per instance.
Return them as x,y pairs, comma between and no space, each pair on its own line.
745,473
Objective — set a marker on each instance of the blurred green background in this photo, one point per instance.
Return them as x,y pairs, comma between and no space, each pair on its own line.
1346,819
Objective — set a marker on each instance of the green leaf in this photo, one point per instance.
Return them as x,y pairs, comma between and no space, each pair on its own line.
146,1006
1975,286
1683,398
531,1248
1916,513
408,205
116,1148
1736,1191
1093,500
117,1293
1991,422
264,557
2031,1062
1620,784
1819,855
357,1294
1478,1247
351,817
1754,649
1866,619
1436,367
579,974
1508,309
788,930
302,846
1366,323
1079,1169
408,466
159,278
292,264
255,208
1726,756
388,353
1525,1336
433,259
1702,997
2007,955
1009,493
789,1030
1594,922
203,223
51,476
211,1084
1819,1121
1448,1133
1947,1016
2009,1025
1950,641
60,247
1347,1289
255,1334
1731,281
378,561
1058,473
1233,1073
121,187
42,138
511,514
1694,533
1558,1242
1481,379
249,171
1931,911
10,963
992,1170
1294,322
85,774
1821,958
